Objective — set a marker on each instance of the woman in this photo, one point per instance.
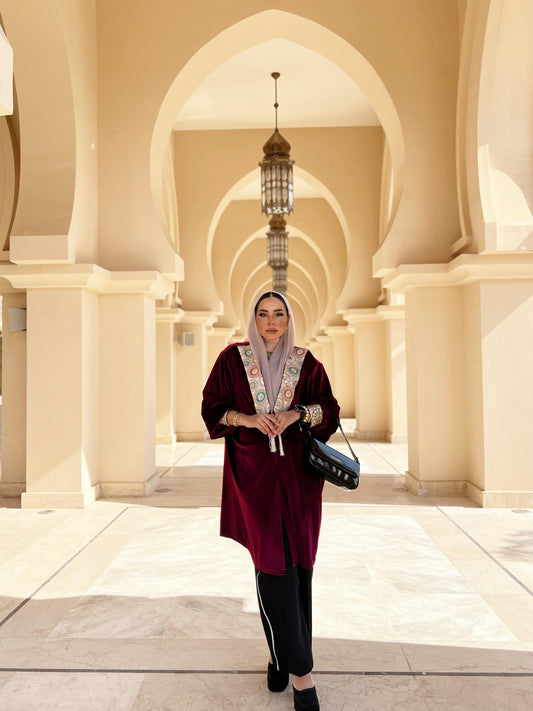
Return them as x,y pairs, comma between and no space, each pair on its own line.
255,397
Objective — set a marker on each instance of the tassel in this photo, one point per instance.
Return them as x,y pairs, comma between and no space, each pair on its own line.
281,452
272,444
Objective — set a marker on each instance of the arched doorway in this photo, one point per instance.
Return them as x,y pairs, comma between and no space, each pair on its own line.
338,222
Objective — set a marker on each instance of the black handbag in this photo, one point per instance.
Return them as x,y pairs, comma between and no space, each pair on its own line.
323,461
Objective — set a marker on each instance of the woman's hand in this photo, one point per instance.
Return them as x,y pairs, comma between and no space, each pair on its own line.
264,422
285,419
271,425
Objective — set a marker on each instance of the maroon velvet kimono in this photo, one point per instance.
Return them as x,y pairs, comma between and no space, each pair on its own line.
263,488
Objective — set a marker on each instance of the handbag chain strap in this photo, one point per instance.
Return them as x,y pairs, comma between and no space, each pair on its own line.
346,438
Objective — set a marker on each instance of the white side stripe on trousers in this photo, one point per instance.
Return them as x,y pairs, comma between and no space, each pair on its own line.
275,659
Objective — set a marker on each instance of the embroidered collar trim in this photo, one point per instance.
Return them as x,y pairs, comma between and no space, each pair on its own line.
289,380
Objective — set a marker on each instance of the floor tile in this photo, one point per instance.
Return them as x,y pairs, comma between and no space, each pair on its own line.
420,603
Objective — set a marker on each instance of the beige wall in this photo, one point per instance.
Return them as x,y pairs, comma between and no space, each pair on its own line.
9,170
58,188
505,127
78,19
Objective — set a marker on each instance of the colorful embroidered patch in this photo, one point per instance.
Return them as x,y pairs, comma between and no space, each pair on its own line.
289,380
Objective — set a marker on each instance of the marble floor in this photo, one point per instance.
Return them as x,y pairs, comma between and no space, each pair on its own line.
421,604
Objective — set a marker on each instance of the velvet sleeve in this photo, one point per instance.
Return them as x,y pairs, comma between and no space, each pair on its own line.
218,396
316,389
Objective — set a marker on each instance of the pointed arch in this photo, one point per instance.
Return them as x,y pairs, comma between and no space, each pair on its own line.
322,189
249,32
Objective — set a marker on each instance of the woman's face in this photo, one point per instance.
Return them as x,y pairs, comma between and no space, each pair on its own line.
272,319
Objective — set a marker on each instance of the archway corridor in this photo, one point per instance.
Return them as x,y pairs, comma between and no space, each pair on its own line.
133,239
134,604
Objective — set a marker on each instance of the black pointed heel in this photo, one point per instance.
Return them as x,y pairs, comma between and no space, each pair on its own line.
306,700
276,680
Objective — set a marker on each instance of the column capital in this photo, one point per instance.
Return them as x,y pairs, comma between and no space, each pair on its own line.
198,318
323,339
87,276
464,269
387,312
334,331
166,314
222,332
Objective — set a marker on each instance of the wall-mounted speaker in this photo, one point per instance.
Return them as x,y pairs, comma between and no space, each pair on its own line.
16,318
186,338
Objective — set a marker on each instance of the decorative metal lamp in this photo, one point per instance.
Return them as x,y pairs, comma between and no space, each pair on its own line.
278,252
277,195
276,170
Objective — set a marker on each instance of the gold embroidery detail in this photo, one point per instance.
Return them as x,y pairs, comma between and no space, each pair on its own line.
316,414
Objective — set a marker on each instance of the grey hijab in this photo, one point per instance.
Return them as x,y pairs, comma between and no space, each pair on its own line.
272,368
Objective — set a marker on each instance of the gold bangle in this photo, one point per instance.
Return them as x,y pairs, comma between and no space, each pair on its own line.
235,418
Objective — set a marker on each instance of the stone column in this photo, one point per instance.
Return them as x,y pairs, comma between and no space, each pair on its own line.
370,373
127,394
436,390
380,390
217,340
191,367
326,356
90,420
13,481
498,328
317,350
395,366
469,348
344,368
62,382
165,374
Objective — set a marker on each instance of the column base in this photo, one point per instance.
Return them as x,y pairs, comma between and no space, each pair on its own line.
371,435
396,439
12,489
166,439
197,436
59,499
500,499
114,490
435,488
483,499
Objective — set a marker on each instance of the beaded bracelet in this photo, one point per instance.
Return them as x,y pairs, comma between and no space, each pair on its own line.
235,418
305,415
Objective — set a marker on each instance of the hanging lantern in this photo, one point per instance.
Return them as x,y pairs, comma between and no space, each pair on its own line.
278,252
277,243
277,191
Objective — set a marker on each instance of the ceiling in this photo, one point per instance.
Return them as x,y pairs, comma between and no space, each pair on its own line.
312,91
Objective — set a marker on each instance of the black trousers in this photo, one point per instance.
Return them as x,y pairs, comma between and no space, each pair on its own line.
286,613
